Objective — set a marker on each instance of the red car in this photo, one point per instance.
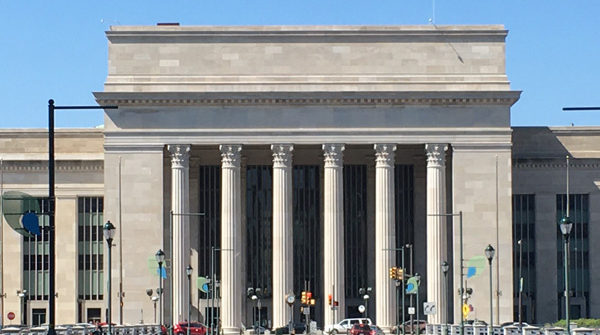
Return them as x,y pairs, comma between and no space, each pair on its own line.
360,329
196,328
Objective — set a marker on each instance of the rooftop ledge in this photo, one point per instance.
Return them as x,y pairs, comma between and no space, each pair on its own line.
312,30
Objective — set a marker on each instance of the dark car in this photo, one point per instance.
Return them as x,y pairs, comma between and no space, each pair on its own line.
360,329
196,328
411,326
299,328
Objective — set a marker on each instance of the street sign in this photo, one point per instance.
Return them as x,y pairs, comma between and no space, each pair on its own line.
411,310
11,316
429,308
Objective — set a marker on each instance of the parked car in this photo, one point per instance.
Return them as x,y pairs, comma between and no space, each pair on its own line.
344,326
411,326
360,329
299,328
196,328
375,330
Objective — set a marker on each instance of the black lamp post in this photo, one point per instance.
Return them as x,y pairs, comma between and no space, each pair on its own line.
520,243
188,271
52,208
418,278
489,254
160,258
565,227
109,233
445,268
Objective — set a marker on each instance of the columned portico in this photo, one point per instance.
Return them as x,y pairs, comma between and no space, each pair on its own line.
436,228
180,202
385,238
333,235
283,269
231,274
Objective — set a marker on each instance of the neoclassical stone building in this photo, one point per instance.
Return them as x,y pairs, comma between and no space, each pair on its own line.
283,159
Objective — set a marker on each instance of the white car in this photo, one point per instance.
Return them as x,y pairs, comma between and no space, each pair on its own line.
344,326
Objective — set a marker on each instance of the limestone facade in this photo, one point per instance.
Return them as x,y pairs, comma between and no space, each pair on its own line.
284,96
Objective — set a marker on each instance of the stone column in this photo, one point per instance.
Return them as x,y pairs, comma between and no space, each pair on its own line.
385,236
180,202
436,229
333,232
231,219
283,259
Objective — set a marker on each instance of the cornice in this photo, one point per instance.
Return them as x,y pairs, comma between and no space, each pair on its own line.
505,98
554,164
61,166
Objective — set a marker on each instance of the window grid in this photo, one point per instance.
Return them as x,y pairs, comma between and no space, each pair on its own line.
355,228
259,218
524,230
307,228
90,248
209,234
36,252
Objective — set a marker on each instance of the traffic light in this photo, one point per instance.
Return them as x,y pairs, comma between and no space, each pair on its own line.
313,302
304,298
399,274
393,272
330,299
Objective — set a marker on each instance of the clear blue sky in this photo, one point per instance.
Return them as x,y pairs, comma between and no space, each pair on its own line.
57,49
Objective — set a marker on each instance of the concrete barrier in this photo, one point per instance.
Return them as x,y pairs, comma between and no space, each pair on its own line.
584,331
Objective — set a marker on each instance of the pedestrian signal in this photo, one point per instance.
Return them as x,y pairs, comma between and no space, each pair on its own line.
399,274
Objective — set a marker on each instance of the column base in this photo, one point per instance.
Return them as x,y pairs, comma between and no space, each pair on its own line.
230,331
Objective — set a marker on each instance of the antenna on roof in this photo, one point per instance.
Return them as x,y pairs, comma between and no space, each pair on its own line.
432,18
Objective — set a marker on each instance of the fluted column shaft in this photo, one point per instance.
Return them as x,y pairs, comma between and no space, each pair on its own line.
181,231
231,275
385,236
436,229
333,232
283,259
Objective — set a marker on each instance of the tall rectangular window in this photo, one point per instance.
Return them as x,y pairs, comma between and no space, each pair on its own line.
209,232
90,267
36,252
523,206
355,229
307,228
259,223
579,265
405,226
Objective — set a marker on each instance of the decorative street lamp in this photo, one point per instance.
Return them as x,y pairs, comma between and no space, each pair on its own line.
188,271
160,258
109,233
520,243
565,227
489,254
365,295
445,268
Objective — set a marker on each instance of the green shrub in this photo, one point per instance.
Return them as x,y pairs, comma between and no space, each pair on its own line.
585,323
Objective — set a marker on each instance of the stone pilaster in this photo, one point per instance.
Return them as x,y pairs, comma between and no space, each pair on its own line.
231,216
385,237
283,269
436,229
333,231
180,202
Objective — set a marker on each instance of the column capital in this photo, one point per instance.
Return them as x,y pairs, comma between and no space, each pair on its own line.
436,154
282,155
334,154
384,154
230,155
180,155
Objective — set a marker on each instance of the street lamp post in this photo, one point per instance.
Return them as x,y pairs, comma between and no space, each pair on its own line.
445,268
489,254
418,278
23,295
520,243
160,258
52,209
565,227
188,271
109,234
